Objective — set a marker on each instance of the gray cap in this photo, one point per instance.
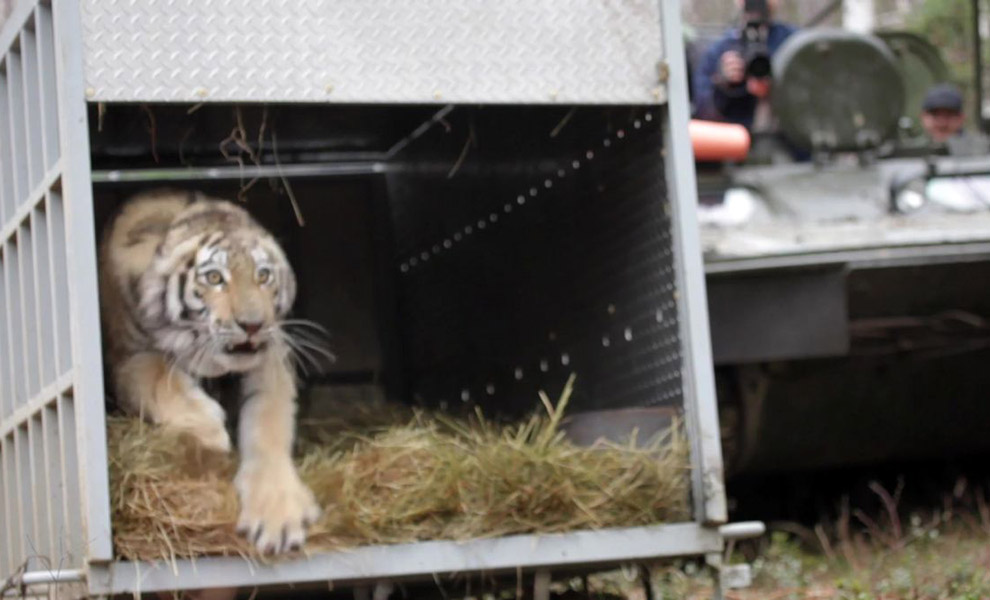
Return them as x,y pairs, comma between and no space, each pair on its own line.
943,96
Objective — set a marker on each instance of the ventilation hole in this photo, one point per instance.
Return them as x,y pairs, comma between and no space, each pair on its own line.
490,388
637,124
552,336
447,244
533,191
469,230
458,236
465,395
565,359
589,155
659,316
627,334
649,116
443,405
611,309
576,165
544,365
425,256
508,208
548,184
606,142
561,172
518,374
620,134
521,199
482,224
493,217
413,261
436,249
606,342
404,268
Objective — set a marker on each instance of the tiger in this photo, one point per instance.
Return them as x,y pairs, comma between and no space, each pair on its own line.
192,287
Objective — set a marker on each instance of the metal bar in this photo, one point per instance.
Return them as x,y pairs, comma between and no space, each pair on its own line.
23,492
29,326
53,470
11,262
45,578
71,473
87,355
60,281
699,378
6,534
17,138
39,496
246,172
32,150
42,295
8,200
47,84
50,492
6,376
416,560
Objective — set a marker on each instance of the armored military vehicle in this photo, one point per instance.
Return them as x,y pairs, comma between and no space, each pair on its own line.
849,293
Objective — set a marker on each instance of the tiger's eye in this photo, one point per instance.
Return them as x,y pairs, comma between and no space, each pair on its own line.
214,277
264,275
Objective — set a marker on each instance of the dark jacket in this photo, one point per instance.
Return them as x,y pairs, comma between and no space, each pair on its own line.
733,103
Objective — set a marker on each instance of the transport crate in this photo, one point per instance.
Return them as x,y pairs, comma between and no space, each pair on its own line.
495,195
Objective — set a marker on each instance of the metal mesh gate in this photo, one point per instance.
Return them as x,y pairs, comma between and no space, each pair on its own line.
43,384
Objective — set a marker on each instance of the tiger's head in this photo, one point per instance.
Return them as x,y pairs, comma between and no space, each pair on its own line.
217,290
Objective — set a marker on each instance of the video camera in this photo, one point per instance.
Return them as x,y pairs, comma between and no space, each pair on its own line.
755,52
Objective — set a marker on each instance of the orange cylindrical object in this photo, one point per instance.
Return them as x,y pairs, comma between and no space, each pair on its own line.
712,140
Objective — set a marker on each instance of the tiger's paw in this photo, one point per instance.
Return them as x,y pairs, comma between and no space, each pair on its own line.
276,506
203,419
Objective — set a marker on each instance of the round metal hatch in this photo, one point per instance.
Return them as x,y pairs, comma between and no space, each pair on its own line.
837,90
922,66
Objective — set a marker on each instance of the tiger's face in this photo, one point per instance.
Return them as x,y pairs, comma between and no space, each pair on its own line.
214,297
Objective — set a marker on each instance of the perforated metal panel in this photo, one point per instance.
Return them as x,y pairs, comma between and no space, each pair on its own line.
536,243
44,496
525,51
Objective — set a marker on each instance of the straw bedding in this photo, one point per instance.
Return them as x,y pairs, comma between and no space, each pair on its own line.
390,475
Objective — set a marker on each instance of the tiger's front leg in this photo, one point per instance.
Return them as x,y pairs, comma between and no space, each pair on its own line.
147,384
276,506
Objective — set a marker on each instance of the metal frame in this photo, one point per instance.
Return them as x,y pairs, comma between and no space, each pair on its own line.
83,387
418,560
87,347
699,385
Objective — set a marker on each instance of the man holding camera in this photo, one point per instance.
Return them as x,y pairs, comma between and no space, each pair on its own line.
732,81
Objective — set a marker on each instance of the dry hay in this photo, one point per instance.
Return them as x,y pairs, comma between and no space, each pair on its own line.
394,476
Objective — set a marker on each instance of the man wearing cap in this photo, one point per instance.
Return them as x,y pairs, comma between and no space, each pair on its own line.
943,118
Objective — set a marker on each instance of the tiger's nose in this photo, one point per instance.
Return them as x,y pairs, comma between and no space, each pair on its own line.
250,327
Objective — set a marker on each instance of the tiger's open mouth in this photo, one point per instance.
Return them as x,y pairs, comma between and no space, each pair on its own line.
244,348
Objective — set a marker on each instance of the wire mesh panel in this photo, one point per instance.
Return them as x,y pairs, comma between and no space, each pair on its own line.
42,504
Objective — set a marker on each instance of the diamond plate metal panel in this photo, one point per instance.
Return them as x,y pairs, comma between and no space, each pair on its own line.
399,51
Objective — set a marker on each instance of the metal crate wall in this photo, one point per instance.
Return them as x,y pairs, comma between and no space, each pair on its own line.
532,243
46,362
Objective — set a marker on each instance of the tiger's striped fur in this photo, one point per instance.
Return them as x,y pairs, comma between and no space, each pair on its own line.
193,287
